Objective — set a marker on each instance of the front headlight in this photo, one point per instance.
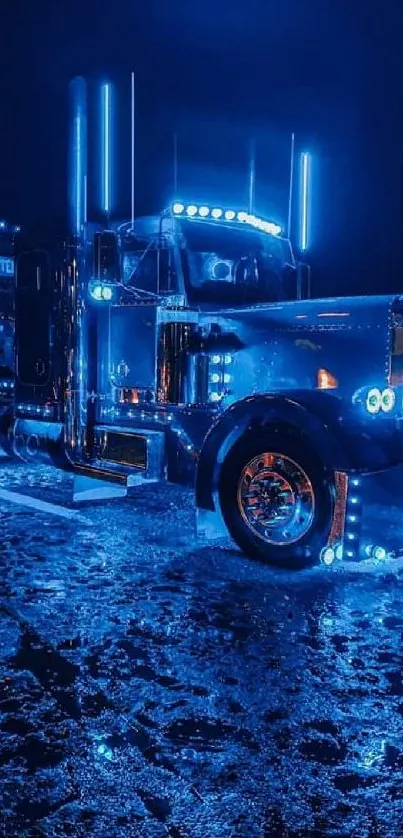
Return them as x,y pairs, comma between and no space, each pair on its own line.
388,400
373,400
377,401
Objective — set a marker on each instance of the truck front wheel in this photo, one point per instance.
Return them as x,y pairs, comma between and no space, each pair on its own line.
276,500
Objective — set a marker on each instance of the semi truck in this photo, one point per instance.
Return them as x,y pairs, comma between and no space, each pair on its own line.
168,350
182,347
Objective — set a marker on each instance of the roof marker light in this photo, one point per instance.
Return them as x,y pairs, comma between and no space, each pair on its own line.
217,214
270,227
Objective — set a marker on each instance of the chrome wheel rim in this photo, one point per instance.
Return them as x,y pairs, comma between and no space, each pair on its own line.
276,499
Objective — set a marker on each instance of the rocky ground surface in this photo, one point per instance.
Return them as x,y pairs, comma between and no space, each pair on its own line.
155,686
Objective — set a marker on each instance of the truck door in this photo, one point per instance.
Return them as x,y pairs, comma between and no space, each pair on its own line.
128,341
132,328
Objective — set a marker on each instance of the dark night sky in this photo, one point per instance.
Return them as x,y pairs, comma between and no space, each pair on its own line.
220,71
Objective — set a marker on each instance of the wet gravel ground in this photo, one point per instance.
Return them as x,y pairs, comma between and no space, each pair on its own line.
152,685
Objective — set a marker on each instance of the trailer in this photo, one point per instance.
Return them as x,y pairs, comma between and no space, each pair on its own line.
8,234
183,347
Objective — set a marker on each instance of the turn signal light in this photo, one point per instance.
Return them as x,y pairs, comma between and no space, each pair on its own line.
326,381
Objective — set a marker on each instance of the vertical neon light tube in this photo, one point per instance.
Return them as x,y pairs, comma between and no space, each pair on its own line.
133,113
305,178
79,173
106,153
291,187
77,155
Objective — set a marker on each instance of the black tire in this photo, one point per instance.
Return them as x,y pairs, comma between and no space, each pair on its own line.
299,552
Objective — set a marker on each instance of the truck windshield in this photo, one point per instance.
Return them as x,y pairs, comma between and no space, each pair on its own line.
228,265
149,271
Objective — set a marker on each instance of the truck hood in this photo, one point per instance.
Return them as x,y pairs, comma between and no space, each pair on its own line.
342,341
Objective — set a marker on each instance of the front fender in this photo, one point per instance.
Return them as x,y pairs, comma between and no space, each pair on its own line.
343,438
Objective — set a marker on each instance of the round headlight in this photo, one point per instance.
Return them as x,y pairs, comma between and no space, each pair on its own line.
388,400
373,401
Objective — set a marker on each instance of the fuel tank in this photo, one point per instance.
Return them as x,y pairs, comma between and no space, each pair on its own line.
341,344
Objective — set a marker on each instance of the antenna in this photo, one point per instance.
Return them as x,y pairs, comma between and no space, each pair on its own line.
133,111
252,174
175,164
290,194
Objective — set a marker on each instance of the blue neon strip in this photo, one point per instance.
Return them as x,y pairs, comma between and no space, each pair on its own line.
78,172
106,148
304,200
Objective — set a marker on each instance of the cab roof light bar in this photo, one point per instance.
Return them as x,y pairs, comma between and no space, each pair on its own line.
203,212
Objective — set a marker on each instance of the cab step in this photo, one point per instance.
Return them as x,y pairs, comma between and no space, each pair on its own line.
128,458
